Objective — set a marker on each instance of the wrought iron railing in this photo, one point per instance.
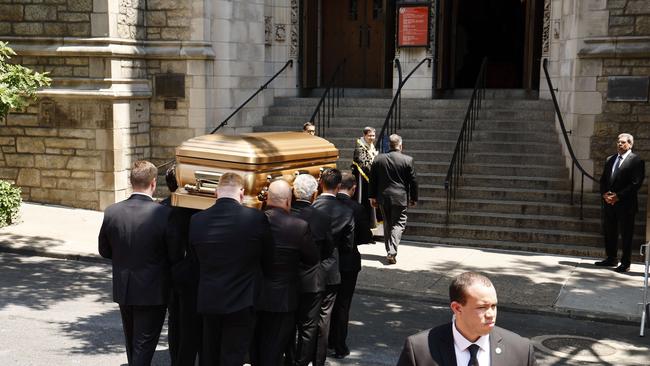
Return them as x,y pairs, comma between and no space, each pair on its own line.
465,137
393,120
241,106
330,99
574,160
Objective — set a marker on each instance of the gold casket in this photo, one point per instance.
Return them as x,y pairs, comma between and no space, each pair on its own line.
259,158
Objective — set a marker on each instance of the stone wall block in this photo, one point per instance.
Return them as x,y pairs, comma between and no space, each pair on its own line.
5,28
28,29
621,20
59,173
170,136
40,12
11,12
8,173
621,31
79,29
29,178
51,161
83,163
48,182
165,4
19,160
82,133
25,120
66,143
83,6
54,29
156,18
638,7
30,145
40,132
74,17
642,27
76,184
7,141
616,4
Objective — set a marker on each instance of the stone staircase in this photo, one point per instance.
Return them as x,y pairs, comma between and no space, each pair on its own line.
515,190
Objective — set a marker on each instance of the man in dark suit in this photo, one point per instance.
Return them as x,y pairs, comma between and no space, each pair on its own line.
183,323
342,223
472,337
621,179
393,187
230,241
349,267
136,236
313,279
293,247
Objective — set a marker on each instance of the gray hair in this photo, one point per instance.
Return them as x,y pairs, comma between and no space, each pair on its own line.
304,187
367,130
628,137
395,141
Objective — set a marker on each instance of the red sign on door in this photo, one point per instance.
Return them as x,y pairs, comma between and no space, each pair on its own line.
413,26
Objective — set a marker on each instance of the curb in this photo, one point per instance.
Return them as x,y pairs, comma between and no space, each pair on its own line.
386,293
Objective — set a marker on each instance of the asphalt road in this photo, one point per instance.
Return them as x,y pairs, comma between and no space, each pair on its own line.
57,312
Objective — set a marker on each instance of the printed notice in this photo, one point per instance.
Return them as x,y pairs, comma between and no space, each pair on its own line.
413,26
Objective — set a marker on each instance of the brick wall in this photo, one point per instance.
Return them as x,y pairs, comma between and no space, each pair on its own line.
45,18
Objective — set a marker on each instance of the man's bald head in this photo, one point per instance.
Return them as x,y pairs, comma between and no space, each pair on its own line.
279,195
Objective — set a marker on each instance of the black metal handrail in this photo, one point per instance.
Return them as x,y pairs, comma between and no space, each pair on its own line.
465,137
393,120
574,160
328,99
225,121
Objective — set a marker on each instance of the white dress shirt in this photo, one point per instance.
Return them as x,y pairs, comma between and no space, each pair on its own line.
462,353
623,157
142,194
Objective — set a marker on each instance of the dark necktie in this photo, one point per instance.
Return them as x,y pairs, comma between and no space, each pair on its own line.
473,350
617,164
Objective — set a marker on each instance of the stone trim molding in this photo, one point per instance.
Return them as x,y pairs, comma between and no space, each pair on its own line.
623,46
97,88
111,47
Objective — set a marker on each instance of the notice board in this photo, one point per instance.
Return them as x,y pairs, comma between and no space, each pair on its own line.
413,25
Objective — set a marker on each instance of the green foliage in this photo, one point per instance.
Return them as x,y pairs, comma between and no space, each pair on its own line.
9,202
18,84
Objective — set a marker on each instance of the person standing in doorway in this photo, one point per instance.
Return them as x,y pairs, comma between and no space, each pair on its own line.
393,187
621,179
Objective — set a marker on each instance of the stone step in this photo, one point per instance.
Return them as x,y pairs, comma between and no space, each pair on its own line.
365,93
432,113
519,158
460,104
497,194
596,251
509,220
511,207
510,94
504,233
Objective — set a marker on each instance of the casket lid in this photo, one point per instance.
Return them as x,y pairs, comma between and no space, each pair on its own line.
258,147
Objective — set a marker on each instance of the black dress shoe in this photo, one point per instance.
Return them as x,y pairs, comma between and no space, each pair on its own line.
608,262
623,268
342,354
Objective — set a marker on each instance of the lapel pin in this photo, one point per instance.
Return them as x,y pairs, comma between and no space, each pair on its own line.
497,350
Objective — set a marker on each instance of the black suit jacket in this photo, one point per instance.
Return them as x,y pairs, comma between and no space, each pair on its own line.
314,278
393,180
292,246
136,236
626,183
185,273
435,347
342,220
350,261
230,241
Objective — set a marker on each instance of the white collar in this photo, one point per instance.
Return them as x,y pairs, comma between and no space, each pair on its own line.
328,194
627,153
142,194
462,343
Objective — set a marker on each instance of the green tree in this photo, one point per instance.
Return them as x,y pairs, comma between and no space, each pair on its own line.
18,84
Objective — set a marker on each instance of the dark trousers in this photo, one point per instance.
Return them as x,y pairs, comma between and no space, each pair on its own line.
341,312
184,328
618,218
227,338
394,225
142,326
307,320
325,315
273,332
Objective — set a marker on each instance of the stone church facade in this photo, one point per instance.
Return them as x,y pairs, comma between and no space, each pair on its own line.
132,79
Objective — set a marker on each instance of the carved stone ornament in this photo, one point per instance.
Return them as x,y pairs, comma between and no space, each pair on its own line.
280,32
46,112
293,45
546,32
267,30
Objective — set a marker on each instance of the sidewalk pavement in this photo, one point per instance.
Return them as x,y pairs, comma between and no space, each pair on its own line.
525,282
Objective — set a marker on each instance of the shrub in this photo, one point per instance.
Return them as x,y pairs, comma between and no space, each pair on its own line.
9,202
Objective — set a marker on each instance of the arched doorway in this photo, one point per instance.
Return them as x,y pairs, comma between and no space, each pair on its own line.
508,32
